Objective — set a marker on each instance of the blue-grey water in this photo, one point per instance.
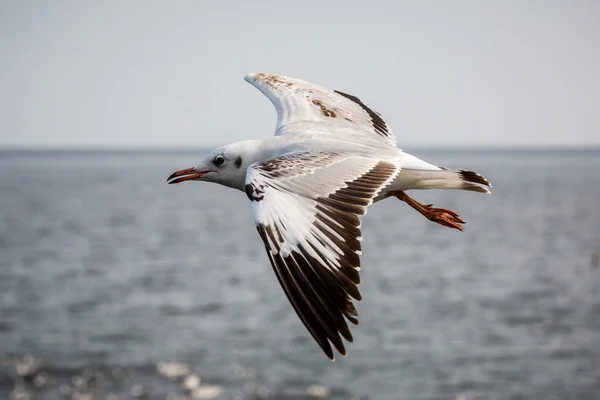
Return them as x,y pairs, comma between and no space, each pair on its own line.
104,267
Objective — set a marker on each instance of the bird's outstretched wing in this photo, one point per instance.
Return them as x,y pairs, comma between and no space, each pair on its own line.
306,208
305,107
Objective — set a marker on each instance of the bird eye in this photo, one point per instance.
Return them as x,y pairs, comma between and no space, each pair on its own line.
219,160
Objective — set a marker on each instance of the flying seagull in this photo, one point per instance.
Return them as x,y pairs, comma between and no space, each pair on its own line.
331,157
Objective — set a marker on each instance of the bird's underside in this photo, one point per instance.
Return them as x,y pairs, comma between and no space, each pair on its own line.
307,200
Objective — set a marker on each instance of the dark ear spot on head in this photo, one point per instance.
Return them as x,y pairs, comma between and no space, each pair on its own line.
238,162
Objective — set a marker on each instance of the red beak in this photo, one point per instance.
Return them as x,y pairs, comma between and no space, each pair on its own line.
189,174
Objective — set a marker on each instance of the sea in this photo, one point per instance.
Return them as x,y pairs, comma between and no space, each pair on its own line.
107,273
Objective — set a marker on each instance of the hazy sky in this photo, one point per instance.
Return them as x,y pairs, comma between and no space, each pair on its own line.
146,73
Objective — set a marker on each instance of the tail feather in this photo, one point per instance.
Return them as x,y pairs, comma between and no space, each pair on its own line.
474,182
444,179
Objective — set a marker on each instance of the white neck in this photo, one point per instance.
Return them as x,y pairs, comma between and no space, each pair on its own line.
252,151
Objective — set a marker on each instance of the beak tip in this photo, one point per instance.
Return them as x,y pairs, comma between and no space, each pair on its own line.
184,175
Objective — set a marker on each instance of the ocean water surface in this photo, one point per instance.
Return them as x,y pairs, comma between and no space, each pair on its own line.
105,271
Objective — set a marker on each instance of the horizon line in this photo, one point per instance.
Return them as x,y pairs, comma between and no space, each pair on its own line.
181,149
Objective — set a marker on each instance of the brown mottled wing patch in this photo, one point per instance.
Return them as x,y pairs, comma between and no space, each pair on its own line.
306,208
305,107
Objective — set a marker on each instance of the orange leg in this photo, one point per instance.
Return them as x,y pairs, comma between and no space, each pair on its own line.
440,215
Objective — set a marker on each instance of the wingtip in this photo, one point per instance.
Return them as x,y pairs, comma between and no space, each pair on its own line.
251,77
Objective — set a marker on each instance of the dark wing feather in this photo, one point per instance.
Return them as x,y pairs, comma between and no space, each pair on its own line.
312,236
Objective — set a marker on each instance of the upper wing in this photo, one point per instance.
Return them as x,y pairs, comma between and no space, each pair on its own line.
306,208
302,106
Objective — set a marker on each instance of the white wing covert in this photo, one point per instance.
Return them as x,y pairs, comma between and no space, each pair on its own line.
306,208
304,107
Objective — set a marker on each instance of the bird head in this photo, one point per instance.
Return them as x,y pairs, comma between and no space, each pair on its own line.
225,165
